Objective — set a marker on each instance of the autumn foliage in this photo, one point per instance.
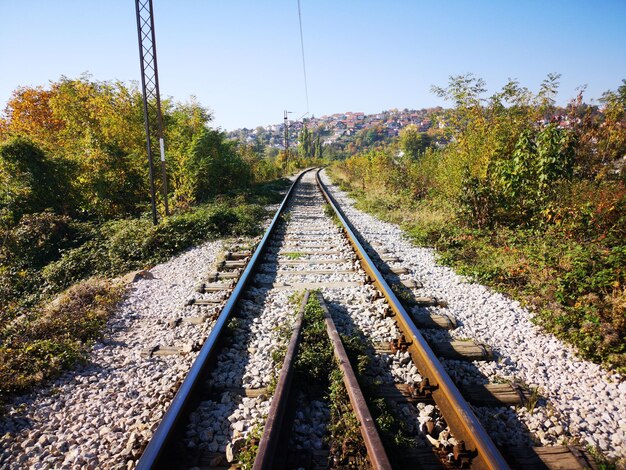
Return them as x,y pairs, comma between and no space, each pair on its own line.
526,196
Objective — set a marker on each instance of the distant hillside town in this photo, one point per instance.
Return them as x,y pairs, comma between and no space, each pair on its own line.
341,129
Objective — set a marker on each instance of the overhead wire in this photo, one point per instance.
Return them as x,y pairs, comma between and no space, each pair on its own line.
306,87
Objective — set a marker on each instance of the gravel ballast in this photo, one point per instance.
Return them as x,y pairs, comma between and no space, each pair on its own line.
585,403
102,415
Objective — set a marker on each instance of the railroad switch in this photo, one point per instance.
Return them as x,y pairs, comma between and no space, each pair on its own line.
400,344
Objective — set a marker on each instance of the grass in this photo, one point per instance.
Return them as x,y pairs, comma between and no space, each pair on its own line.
346,443
330,212
250,448
392,428
320,376
38,346
316,352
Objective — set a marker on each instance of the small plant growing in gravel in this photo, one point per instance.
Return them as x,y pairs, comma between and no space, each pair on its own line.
315,349
293,255
601,460
393,430
233,324
285,217
356,349
283,334
347,448
248,451
296,298
533,399
330,212
404,294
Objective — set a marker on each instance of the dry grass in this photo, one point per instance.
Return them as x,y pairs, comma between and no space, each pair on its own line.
39,345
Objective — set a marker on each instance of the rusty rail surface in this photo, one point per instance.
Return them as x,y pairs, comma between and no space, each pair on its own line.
373,443
455,409
267,458
159,452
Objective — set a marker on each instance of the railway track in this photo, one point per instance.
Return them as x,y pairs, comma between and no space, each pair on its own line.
234,391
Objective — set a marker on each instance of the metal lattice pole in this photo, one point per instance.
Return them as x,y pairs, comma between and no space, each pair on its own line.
150,92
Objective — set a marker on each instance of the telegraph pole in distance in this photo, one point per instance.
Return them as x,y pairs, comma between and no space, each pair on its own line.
150,93
286,125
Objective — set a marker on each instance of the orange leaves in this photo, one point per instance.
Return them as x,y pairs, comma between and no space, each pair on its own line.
28,113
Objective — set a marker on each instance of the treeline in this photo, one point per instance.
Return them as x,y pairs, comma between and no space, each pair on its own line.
74,178
525,196
78,147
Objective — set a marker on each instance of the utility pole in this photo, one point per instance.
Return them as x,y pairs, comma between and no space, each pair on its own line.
286,126
151,94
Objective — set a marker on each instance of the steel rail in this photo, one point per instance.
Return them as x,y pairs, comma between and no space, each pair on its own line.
266,458
157,452
373,443
455,409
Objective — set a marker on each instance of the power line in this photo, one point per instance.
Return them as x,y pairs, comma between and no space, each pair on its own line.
306,88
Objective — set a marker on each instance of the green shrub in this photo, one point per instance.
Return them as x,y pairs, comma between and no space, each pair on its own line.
128,244
31,181
37,239
74,265
124,243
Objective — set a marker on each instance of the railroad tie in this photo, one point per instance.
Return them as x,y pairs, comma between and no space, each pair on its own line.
161,350
554,457
232,265
216,276
433,321
463,350
201,320
214,287
237,255
203,302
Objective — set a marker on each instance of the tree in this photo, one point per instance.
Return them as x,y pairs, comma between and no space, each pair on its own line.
319,150
412,141
183,123
31,181
215,166
28,113
305,149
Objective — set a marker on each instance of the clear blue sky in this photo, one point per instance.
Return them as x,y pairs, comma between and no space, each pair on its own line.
242,58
